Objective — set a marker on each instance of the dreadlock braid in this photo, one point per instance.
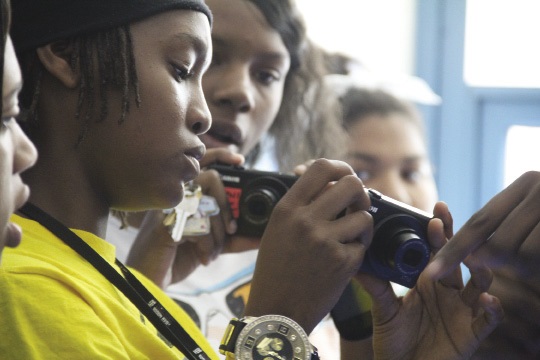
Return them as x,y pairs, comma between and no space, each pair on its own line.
107,56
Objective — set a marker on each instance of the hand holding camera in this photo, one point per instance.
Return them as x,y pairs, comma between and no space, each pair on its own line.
307,253
309,231
399,250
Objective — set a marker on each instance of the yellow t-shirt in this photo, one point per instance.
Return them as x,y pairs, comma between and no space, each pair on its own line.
55,305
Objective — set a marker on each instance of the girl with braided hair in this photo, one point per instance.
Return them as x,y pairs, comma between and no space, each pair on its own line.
113,100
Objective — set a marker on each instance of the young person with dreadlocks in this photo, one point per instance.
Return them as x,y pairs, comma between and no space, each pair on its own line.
253,94
114,103
17,153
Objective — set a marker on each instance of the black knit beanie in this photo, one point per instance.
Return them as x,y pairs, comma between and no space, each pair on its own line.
39,22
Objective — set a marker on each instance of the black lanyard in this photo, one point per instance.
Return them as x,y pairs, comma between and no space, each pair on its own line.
130,286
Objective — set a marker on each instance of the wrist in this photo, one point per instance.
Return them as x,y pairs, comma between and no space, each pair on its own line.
352,313
268,336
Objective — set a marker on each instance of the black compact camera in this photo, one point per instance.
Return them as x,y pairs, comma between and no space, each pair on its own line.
253,195
399,250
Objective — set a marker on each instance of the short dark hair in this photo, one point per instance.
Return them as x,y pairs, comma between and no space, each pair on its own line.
357,103
114,70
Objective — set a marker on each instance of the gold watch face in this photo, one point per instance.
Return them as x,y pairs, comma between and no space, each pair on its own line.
273,337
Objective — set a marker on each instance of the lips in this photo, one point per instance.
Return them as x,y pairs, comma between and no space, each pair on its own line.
196,152
23,194
222,134
193,155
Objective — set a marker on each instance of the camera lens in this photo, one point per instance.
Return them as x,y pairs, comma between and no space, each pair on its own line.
406,250
412,258
400,247
258,205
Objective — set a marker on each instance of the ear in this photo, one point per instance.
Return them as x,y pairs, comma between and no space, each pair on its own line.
55,57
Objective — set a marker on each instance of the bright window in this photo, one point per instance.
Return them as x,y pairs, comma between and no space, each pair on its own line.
502,43
522,151
380,33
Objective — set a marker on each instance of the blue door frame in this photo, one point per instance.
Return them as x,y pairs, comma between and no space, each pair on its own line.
467,131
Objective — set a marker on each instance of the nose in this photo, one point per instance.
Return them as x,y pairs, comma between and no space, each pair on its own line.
391,185
235,89
25,154
199,118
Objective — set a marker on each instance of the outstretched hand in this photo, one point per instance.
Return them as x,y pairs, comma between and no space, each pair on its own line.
505,235
505,232
439,318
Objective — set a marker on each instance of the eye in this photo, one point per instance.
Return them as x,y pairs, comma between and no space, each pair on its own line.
364,175
266,77
181,73
411,176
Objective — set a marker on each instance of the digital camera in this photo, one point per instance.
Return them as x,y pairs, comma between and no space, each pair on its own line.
252,195
399,250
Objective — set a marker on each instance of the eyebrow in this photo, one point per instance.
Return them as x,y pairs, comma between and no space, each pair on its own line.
200,46
374,159
271,55
364,157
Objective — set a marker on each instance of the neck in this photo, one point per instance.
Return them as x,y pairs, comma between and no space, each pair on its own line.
66,194
59,183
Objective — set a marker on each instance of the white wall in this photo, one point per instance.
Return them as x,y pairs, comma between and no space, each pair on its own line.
378,32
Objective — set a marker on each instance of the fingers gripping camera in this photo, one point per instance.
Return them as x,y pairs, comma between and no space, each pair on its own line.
399,250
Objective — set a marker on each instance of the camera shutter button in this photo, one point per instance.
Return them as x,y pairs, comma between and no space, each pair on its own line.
375,194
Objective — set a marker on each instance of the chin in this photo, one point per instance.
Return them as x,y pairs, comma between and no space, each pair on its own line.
172,198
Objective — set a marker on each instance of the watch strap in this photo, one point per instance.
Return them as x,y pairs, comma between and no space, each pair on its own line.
228,342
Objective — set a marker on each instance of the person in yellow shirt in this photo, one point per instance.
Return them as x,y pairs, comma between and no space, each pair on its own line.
55,303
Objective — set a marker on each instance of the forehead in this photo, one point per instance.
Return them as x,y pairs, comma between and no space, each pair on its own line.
191,26
387,134
241,25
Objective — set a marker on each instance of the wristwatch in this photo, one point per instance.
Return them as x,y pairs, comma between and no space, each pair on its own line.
269,337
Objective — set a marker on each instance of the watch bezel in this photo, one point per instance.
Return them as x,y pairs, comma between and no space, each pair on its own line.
297,337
